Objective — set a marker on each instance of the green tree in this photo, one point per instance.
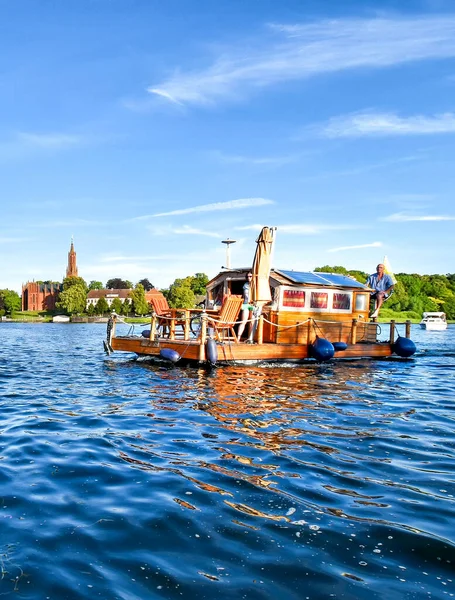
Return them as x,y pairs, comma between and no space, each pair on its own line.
102,306
327,269
73,281
180,294
117,306
126,308
91,310
199,283
10,301
140,305
95,285
73,299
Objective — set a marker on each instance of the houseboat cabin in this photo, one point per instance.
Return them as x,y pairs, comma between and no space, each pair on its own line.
328,301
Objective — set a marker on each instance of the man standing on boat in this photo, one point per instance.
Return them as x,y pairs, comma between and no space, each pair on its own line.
382,284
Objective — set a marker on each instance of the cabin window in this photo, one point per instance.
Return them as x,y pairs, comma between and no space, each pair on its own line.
319,300
361,302
341,301
294,298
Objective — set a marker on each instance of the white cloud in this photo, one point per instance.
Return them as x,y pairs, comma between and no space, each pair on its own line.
187,230
12,240
230,205
23,144
290,52
402,217
298,229
276,161
49,140
386,124
341,248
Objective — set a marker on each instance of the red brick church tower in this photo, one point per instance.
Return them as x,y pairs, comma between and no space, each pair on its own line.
71,269
43,296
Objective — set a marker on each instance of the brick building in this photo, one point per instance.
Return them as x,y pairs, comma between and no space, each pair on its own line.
43,296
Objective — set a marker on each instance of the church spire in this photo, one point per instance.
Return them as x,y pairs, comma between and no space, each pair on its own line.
71,270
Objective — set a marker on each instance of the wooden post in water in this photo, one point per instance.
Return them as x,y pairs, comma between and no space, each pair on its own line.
309,340
408,329
153,326
203,337
354,331
392,332
260,329
186,335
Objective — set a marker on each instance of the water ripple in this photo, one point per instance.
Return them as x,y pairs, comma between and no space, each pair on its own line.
126,479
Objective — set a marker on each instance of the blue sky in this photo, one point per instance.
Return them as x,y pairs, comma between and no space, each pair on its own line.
150,131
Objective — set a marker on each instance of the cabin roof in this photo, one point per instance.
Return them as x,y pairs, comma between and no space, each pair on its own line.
321,279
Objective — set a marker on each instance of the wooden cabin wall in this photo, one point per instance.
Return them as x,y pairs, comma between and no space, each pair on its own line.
334,327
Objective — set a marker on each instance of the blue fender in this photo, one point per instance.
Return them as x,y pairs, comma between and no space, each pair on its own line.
322,350
404,347
146,333
339,346
211,351
169,354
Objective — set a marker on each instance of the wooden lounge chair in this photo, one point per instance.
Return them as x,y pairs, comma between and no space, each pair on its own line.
224,321
165,314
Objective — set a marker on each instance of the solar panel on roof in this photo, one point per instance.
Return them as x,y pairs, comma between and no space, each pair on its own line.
323,279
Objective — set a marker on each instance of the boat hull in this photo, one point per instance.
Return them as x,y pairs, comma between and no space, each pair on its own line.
192,351
434,326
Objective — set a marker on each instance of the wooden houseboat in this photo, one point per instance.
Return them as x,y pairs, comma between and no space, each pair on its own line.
296,316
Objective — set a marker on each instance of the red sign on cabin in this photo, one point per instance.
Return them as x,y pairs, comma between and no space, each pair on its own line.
294,298
341,301
319,300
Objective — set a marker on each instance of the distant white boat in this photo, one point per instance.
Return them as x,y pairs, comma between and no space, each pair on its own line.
433,321
60,319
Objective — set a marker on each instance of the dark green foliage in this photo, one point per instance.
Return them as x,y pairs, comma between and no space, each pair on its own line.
146,284
118,284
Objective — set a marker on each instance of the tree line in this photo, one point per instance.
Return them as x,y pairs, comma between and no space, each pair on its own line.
413,293
72,299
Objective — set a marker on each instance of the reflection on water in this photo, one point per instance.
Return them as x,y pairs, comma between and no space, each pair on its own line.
128,479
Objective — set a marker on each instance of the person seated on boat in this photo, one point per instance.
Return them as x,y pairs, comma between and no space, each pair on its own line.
382,284
246,306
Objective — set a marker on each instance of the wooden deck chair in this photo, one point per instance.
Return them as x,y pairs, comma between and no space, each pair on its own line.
224,322
162,309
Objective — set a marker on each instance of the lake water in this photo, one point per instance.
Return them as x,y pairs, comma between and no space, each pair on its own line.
125,480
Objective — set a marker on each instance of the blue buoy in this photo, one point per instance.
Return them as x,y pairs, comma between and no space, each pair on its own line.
211,351
322,350
339,346
146,333
169,354
404,347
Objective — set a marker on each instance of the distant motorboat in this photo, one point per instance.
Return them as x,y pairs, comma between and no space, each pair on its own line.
433,321
60,319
